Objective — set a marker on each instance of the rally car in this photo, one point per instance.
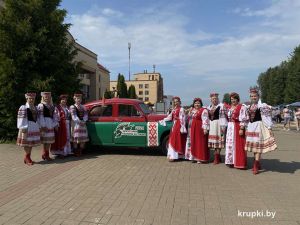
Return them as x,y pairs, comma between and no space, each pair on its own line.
126,122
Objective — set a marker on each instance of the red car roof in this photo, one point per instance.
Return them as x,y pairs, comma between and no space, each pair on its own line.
114,100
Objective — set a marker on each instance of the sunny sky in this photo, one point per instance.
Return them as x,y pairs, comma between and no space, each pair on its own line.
199,46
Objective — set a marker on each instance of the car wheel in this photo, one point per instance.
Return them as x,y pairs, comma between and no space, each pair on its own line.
164,145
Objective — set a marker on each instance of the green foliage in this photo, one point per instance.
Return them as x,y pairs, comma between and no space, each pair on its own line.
131,92
35,55
108,94
122,87
281,84
226,98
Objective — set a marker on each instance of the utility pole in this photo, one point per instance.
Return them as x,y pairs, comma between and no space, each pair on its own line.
129,47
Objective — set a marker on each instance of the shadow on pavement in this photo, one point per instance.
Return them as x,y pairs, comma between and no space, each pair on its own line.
275,165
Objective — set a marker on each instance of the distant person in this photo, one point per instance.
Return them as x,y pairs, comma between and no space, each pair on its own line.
177,139
259,138
297,118
278,115
29,127
287,118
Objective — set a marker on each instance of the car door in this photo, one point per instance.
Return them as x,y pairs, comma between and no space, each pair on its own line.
130,126
100,125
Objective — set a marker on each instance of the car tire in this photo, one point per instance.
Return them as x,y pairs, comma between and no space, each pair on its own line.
164,145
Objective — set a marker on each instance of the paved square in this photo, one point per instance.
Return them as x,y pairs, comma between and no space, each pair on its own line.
139,187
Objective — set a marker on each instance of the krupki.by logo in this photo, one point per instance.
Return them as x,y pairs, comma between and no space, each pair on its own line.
257,214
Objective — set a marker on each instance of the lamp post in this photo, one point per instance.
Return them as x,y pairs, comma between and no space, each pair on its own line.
129,47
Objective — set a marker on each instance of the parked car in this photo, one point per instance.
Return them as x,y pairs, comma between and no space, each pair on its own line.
126,122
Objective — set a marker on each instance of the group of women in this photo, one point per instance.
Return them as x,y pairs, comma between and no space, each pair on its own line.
237,127
55,127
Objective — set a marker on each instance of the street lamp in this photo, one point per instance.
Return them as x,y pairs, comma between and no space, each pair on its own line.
129,47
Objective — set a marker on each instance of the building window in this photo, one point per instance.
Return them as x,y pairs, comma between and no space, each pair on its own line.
146,92
141,99
146,85
146,99
140,86
86,91
152,77
99,77
88,76
140,92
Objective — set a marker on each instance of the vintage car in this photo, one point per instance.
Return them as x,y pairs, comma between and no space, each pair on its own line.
126,122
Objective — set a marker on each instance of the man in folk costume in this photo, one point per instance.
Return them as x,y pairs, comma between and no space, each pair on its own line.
79,134
235,154
177,138
48,121
259,137
29,127
198,128
62,146
218,123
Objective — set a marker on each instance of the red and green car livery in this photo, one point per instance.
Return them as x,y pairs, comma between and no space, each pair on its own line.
125,122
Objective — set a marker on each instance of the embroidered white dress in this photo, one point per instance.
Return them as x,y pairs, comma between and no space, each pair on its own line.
79,116
48,121
28,120
218,122
258,136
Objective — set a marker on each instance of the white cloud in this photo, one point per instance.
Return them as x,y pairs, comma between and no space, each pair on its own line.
161,38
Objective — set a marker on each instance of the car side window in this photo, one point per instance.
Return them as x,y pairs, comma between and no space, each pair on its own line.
128,111
99,110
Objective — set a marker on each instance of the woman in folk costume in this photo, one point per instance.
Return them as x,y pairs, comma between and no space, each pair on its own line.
62,146
29,127
48,121
177,138
236,156
198,127
259,138
218,122
79,134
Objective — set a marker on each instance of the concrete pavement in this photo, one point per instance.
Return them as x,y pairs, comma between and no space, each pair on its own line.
139,187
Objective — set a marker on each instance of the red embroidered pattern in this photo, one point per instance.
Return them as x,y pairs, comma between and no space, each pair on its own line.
152,134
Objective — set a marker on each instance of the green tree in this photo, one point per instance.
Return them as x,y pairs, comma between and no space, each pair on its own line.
122,87
292,91
108,94
226,98
131,92
35,55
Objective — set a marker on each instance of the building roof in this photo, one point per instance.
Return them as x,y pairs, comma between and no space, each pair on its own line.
102,67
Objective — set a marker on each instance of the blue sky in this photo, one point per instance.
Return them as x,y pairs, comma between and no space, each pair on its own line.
199,46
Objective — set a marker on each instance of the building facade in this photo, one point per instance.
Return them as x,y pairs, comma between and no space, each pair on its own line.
148,86
94,77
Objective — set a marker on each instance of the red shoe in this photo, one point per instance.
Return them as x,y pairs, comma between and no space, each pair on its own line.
255,167
45,156
258,165
27,160
217,159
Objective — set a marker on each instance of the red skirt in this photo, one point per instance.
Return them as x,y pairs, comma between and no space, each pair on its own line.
177,140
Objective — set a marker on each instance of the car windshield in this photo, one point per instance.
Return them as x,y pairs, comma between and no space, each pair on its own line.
145,108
